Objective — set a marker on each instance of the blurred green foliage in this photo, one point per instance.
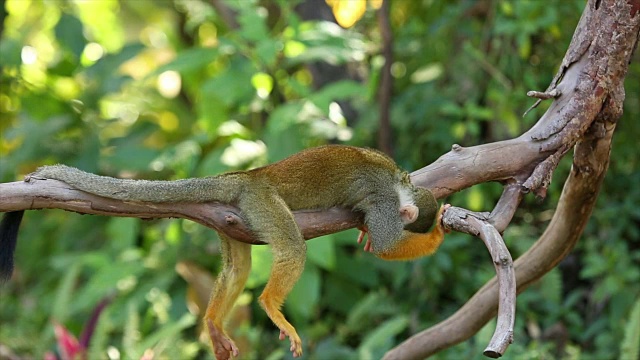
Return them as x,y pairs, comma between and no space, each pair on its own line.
171,89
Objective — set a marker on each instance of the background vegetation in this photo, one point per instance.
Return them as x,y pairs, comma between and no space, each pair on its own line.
174,89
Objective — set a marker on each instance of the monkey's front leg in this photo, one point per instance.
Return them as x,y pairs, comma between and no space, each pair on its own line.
408,214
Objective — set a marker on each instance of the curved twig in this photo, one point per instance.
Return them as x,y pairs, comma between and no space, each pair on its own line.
479,224
503,334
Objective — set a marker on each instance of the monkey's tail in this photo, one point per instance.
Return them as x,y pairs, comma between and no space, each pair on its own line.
156,191
8,238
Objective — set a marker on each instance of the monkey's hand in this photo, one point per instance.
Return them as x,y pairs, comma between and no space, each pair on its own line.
443,208
364,231
223,347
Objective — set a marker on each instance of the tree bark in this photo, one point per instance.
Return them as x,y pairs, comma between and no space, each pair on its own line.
591,86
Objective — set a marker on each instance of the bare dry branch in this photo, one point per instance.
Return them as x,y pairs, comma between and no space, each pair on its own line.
544,95
503,334
506,207
479,225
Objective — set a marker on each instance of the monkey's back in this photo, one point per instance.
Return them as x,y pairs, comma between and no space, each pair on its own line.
332,175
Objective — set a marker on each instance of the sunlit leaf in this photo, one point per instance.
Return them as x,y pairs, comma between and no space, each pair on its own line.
189,60
263,83
347,12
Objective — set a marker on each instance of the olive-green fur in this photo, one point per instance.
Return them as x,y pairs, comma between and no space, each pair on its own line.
317,178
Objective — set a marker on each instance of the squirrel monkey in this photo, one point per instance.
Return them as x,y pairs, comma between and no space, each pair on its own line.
397,217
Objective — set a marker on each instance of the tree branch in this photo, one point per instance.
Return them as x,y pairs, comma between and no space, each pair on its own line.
591,78
53,194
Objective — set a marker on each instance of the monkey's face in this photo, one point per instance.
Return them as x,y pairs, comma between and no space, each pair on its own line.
427,210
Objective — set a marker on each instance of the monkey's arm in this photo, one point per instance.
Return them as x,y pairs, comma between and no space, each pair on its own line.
414,245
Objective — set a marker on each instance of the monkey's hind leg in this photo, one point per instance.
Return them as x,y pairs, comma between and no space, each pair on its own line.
274,224
236,265
286,271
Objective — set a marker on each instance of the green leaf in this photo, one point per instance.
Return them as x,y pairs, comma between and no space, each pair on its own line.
166,334
231,86
69,33
132,156
122,232
630,346
303,299
261,261
321,251
252,25
284,116
65,293
356,269
106,280
369,307
330,349
551,286
340,295
268,50
377,342
263,83
11,50
189,60
339,90
131,333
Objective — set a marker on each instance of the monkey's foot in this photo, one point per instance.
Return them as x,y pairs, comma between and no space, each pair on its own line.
223,347
296,343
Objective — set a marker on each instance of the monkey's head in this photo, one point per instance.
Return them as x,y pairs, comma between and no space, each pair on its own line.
428,208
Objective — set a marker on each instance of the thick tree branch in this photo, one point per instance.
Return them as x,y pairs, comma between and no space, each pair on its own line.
593,73
54,194
576,203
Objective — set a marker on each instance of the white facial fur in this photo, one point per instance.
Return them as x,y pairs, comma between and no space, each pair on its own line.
405,195
408,209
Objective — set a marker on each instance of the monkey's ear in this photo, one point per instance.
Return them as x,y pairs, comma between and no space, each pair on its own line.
409,213
428,207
